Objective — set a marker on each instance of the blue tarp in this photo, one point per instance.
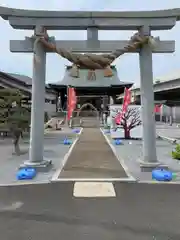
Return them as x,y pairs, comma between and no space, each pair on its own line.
26,173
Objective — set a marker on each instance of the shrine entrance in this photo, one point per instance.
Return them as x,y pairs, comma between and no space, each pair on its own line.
87,110
142,42
88,105
88,115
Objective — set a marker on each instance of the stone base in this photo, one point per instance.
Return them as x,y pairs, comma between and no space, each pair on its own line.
43,166
148,167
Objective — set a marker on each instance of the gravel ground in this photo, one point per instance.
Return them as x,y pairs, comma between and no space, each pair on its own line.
53,150
131,153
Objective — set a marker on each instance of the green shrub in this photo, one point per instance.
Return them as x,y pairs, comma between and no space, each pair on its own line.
176,152
14,117
46,117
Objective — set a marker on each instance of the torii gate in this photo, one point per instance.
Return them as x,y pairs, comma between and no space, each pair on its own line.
142,21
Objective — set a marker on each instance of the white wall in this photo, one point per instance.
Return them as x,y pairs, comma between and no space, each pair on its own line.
50,108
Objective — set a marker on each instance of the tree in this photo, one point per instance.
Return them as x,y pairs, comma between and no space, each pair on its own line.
46,117
130,120
13,115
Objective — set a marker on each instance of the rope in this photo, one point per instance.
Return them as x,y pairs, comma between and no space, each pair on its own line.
37,38
35,58
93,61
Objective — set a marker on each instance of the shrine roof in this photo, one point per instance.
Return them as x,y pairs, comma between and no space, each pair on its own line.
21,78
83,81
19,81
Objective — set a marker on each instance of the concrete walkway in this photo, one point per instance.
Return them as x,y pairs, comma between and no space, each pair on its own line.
92,157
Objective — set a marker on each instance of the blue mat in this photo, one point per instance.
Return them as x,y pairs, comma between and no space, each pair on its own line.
67,141
162,175
26,174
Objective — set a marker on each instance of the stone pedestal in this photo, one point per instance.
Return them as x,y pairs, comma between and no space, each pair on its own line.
149,166
41,166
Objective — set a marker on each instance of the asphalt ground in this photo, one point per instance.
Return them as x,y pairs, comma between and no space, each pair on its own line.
49,211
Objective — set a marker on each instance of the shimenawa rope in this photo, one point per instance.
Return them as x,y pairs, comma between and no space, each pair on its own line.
93,61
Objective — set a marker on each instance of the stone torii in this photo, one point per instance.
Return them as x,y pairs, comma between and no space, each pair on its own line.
141,21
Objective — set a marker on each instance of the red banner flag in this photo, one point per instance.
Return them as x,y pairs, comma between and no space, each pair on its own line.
157,108
71,102
126,102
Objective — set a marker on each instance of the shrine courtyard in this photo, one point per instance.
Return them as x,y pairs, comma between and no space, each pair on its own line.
71,206
91,156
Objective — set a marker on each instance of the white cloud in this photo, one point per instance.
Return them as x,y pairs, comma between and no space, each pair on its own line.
128,65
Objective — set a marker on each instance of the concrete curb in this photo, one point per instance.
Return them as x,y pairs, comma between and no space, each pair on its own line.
122,162
156,182
171,140
23,183
57,173
112,180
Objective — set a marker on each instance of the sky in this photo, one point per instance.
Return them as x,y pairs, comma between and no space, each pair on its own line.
127,65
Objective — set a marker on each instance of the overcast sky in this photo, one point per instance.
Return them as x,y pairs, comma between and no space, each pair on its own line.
128,64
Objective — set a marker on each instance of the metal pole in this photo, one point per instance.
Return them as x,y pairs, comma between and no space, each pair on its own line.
147,102
161,113
170,115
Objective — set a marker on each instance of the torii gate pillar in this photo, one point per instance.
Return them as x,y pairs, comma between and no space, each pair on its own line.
147,104
36,149
37,107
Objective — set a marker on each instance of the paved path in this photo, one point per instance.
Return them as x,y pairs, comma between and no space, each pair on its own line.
92,157
49,211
